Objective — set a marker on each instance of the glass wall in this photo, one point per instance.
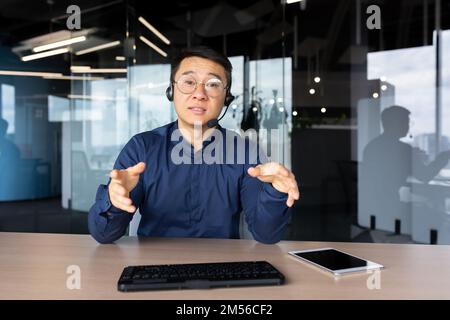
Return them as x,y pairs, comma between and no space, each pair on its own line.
402,144
358,92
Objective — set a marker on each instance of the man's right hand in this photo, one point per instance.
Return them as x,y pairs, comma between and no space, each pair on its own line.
122,183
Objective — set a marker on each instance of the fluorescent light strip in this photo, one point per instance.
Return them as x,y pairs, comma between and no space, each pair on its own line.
153,46
153,29
120,58
105,70
96,48
29,73
86,97
79,68
292,1
44,54
62,77
59,44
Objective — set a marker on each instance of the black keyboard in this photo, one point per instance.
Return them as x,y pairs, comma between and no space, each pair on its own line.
199,276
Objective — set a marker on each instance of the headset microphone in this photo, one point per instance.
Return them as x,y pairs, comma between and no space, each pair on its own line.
214,122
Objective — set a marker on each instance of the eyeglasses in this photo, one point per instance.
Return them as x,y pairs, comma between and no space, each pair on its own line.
187,84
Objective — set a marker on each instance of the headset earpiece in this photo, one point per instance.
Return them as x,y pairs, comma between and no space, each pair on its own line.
228,99
169,92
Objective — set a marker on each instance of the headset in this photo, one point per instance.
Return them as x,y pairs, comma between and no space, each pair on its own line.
213,122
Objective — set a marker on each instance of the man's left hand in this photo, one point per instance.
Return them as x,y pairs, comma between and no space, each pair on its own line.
281,179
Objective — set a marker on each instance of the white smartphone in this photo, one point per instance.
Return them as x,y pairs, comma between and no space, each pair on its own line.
335,261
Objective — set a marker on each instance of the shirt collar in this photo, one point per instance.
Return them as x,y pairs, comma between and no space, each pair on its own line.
207,141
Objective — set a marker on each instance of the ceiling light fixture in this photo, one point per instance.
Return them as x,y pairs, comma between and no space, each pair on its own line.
153,46
97,48
59,44
292,1
103,70
87,97
64,77
154,30
28,73
78,68
44,54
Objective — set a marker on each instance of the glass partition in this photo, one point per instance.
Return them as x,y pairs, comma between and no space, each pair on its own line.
356,103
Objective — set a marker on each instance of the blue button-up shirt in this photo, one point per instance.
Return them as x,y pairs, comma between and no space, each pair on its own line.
191,197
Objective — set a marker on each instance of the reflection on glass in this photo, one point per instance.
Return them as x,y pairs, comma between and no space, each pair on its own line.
402,185
445,122
388,165
148,103
100,127
8,104
9,161
274,102
29,145
233,117
411,72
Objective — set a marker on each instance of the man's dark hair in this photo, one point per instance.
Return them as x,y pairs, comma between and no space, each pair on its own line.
206,53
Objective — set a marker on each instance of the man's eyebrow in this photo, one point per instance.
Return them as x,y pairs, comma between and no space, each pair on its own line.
215,75
210,73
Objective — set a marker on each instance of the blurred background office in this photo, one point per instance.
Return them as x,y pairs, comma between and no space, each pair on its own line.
358,90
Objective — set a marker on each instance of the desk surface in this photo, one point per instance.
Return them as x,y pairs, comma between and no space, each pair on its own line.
34,266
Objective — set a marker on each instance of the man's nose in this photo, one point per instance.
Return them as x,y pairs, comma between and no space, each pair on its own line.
200,92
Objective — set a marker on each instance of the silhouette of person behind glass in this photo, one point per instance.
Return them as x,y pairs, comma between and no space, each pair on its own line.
9,159
387,163
252,117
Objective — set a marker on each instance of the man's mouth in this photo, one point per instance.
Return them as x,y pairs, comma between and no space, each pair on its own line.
197,110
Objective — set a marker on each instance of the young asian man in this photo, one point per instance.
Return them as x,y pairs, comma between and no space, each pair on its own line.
194,198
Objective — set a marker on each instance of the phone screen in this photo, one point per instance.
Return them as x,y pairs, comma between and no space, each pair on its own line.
332,259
